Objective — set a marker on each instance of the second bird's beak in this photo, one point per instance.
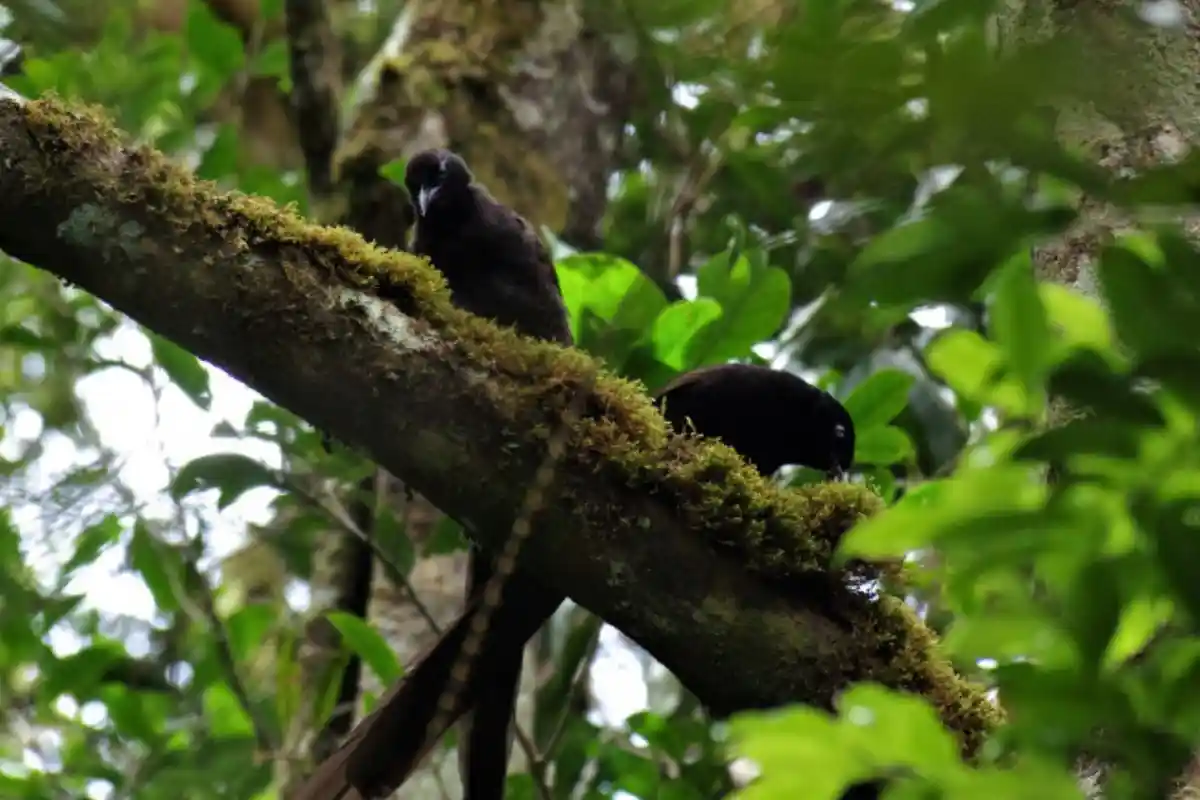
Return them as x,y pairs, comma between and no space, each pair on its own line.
425,197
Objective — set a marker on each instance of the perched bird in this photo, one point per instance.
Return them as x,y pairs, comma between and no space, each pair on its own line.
496,267
771,418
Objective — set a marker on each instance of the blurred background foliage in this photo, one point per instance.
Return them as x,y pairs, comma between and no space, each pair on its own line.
846,188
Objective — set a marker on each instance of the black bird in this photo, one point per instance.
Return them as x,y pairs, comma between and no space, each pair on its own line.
496,267
771,418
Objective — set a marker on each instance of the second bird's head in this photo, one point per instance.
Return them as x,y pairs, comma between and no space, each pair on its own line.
439,184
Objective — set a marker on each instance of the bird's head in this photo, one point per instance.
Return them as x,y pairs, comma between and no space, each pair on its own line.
438,183
838,427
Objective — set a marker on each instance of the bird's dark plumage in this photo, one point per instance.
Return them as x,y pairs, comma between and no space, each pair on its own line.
771,418
496,267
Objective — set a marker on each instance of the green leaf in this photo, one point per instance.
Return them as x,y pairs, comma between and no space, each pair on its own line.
1092,608
368,645
882,446
225,715
755,299
1079,320
1088,436
1146,310
974,368
232,474
1174,531
394,171
879,399
1179,373
1088,382
184,369
215,45
80,673
675,327
159,566
248,627
1017,322
904,730
91,543
800,751
939,508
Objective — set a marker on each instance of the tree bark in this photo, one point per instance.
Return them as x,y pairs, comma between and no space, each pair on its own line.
364,343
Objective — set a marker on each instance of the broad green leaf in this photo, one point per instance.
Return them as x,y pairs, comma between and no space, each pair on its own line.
394,170
904,729
754,298
91,543
877,400
159,566
1078,320
1174,531
79,674
214,44
800,751
184,369
1147,312
675,327
230,473
974,367
939,508
247,629
883,445
368,645
1088,436
1088,382
225,716
1017,322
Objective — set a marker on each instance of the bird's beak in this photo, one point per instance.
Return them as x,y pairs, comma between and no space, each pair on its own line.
836,473
425,197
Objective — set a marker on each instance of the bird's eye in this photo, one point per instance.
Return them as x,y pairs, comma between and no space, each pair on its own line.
839,431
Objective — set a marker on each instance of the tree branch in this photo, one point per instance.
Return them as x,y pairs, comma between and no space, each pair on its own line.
723,577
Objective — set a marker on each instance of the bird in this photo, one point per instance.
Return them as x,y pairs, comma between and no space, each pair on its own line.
495,267
770,417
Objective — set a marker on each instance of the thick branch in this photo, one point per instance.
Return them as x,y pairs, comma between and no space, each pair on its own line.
675,541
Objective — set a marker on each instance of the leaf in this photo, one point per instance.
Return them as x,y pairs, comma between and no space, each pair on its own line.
1080,321
1146,311
1092,608
158,565
226,717
215,45
882,446
800,751
91,543
1088,436
1173,528
80,673
1179,373
904,730
1087,381
247,629
674,328
973,367
230,473
365,642
878,399
394,170
1017,322
755,299
184,369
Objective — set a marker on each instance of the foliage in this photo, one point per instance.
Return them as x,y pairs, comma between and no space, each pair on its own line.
937,168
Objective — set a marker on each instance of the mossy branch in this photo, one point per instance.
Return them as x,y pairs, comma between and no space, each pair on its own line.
723,577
